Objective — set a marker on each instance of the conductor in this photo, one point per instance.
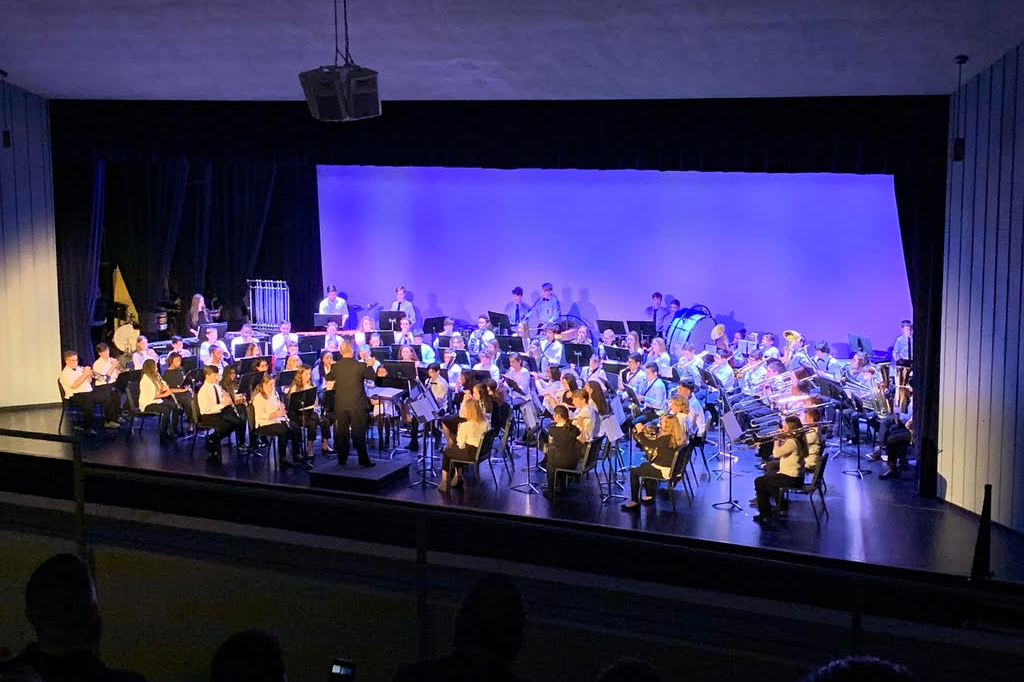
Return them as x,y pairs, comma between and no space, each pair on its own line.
351,407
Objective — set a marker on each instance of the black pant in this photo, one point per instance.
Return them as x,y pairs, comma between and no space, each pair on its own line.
454,453
309,420
354,419
557,459
223,423
166,410
897,442
86,402
768,486
283,431
643,469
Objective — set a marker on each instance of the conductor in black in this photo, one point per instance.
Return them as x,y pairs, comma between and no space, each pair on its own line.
351,407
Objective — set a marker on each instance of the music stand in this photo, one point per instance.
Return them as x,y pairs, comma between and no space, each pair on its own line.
322,320
611,371
381,353
310,358
284,379
190,364
388,319
860,344
472,377
729,426
511,344
308,343
617,326
615,353
247,382
745,347
387,337
710,348
444,341
405,371
499,320
433,325
516,388
221,327
425,410
645,328
462,357
580,351
245,365
528,411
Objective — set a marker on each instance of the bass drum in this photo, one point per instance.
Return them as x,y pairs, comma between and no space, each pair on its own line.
125,337
691,326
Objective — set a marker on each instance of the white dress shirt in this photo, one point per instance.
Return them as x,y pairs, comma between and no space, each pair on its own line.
337,338
598,375
517,312
547,311
105,371
770,352
147,393
479,339
551,353
427,354
522,379
69,376
493,369
789,461
209,398
587,421
139,358
439,389
635,380
663,361
726,375
263,407
471,433
339,307
279,344
204,350
654,394
405,307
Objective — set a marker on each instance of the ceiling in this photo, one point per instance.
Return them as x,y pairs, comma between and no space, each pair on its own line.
507,49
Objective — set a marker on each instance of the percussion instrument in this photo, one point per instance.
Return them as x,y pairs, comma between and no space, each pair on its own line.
125,337
691,326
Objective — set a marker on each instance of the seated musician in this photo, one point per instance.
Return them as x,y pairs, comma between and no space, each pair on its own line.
896,435
594,372
366,357
271,421
374,341
607,339
332,335
632,376
516,310
723,371
903,346
863,384
279,342
551,348
653,396
363,331
674,312
249,350
452,368
520,375
78,390
309,418
243,339
497,357
688,364
407,354
178,346
211,342
632,343
463,447
585,418
105,369
321,370
486,364
229,384
824,364
438,388
174,377
798,356
458,342
696,422
334,304
659,356
402,305
523,332
155,397
292,362
216,409
583,336
550,388
754,372
403,335
142,352
217,360
500,407
661,451
768,348
427,354
597,398
533,351
480,336
448,330
791,451
561,450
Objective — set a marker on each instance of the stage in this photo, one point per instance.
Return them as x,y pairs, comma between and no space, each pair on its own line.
882,523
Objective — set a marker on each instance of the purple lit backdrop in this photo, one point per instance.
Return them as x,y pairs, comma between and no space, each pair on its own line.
816,252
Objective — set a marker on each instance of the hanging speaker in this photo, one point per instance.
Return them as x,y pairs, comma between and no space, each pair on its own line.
341,93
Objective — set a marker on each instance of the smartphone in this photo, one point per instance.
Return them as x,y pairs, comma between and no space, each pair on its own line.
342,670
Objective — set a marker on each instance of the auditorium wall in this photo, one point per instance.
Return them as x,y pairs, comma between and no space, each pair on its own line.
981,412
28,255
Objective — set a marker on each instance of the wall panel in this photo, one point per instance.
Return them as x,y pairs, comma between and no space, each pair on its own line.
980,439
28,265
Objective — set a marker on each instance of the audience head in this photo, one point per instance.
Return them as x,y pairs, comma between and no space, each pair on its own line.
250,656
490,621
860,669
61,605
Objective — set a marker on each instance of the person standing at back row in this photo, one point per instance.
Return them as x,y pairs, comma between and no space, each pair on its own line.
400,304
546,310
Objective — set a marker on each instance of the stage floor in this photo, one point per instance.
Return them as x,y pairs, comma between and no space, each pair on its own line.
871,521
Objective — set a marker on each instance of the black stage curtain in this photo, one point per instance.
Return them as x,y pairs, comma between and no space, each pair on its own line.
901,136
79,190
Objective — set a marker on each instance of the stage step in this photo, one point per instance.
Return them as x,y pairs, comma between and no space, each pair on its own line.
356,478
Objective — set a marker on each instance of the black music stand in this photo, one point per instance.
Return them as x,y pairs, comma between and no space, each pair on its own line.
645,328
860,344
284,379
248,382
528,411
835,394
728,426
309,343
381,353
221,327
516,388
499,320
444,341
511,344
615,353
462,357
617,326
611,370
580,351
425,410
322,320
401,370
472,377
433,325
387,337
388,319
298,402
191,363
245,365
745,348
